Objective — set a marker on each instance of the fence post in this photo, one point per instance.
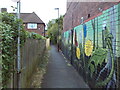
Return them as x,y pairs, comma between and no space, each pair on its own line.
0,60
72,45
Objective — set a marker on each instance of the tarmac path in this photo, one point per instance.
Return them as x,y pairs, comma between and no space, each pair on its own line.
60,74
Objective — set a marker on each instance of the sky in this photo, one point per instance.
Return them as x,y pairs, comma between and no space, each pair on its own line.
43,8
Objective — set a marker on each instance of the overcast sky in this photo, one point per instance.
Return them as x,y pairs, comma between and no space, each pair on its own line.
43,8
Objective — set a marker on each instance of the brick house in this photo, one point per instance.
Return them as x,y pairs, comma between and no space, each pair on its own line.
33,23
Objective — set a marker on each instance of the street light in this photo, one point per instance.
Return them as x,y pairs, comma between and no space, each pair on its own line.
18,45
18,8
58,28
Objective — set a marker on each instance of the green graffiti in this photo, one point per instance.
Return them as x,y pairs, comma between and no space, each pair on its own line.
108,38
98,56
103,83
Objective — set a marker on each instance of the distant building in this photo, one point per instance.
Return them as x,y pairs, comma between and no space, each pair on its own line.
3,9
33,23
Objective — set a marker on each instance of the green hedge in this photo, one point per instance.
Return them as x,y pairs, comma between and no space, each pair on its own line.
8,37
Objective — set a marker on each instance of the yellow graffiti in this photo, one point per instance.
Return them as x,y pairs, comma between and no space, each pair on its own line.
78,52
88,48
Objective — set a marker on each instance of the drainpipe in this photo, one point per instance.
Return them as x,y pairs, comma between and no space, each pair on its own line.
44,30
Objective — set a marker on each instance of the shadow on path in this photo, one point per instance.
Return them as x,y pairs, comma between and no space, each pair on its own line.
60,74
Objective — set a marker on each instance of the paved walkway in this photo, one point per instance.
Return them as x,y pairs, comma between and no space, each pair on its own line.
60,74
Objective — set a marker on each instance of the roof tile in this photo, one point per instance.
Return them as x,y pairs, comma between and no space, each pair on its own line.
30,18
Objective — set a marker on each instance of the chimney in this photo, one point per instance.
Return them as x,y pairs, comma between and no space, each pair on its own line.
3,10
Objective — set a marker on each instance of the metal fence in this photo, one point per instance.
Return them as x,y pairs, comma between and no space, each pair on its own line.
93,48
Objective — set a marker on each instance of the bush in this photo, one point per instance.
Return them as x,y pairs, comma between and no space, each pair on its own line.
8,37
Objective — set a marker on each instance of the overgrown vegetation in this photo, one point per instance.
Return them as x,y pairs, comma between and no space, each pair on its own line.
52,29
8,37
40,71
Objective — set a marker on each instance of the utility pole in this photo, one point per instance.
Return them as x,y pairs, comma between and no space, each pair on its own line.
18,45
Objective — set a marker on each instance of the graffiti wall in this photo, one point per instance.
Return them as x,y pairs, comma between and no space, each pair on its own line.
93,48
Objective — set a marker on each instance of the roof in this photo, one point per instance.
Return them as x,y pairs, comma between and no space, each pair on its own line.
30,18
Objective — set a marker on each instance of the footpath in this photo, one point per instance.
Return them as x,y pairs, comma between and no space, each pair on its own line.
60,74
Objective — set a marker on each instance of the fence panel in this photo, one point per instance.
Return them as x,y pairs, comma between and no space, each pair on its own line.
31,55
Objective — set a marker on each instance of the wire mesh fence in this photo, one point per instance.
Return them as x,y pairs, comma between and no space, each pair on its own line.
93,48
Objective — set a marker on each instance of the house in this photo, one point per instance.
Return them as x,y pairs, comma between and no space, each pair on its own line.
3,10
33,23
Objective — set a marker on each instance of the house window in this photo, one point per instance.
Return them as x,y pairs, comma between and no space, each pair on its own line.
32,25
24,25
39,28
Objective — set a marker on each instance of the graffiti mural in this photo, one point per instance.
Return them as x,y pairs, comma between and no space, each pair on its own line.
93,48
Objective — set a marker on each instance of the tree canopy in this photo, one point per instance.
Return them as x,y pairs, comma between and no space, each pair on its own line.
52,29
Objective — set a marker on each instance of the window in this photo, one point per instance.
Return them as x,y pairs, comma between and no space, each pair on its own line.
32,25
24,25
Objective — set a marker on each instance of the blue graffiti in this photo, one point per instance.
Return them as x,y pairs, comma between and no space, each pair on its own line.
85,30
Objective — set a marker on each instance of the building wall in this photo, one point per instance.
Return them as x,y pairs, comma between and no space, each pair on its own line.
39,30
76,10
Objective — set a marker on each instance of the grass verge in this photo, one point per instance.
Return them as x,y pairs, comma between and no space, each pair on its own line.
40,71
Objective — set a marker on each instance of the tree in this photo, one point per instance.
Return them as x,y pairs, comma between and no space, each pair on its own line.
52,29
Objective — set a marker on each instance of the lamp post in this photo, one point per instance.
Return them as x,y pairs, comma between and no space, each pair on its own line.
18,45
82,19
84,36
58,29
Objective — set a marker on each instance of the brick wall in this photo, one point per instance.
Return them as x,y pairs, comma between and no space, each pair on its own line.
39,30
76,10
